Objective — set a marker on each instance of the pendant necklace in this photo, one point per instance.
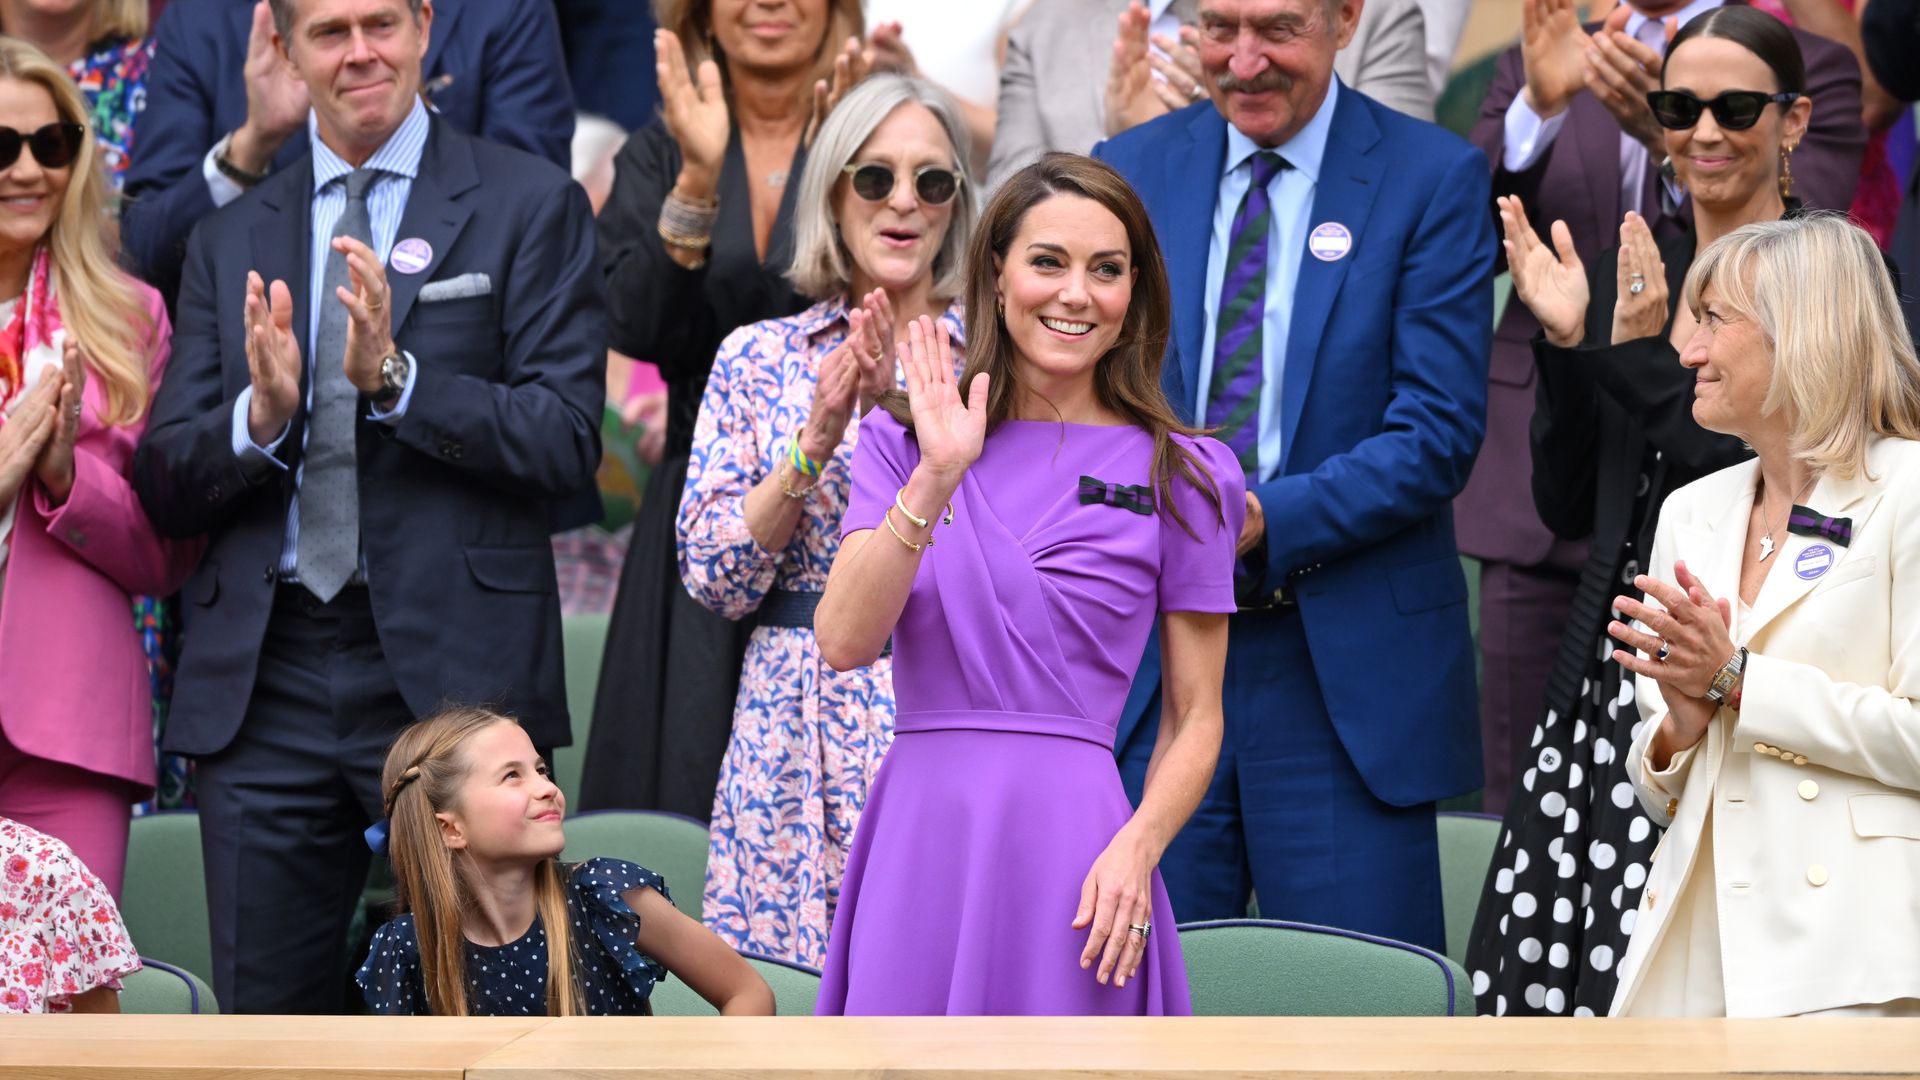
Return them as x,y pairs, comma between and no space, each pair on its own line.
1766,539
777,178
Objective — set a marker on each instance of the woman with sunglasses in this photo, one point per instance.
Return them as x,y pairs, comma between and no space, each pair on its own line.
880,227
1613,434
82,346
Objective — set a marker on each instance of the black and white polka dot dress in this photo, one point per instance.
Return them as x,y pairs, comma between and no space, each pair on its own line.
616,978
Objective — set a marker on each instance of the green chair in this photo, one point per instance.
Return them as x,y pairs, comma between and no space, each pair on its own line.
795,989
672,846
1251,967
162,988
584,643
165,905
1466,850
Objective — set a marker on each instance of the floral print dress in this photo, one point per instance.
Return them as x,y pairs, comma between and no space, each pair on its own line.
60,933
806,739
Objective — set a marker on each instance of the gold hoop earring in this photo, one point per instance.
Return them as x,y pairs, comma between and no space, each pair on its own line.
1786,173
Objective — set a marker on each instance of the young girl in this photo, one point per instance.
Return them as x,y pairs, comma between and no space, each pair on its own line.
474,828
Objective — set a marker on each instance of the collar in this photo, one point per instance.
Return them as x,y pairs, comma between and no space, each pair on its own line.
832,312
1681,18
1305,151
1157,8
399,155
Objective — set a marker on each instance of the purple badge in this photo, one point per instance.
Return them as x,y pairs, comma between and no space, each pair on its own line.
1330,242
410,256
1817,559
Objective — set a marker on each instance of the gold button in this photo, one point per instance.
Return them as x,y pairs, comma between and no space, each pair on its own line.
1673,805
1760,748
1800,759
1651,895
1816,875
1809,789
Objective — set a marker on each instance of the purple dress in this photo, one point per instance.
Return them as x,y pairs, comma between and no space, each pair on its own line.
1012,660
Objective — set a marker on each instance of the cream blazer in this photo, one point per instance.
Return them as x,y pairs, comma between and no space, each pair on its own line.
1815,783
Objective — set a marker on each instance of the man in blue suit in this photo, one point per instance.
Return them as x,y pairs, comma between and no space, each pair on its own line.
388,358
1331,263
222,110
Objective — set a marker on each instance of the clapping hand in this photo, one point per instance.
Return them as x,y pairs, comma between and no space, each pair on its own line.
1642,314
694,108
273,359
1553,52
1551,281
834,394
848,69
55,464
950,431
276,98
369,325
887,51
25,432
873,322
1693,628
1621,72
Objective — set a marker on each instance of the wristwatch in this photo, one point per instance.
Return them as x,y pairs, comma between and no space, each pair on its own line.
1727,677
395,370
231,171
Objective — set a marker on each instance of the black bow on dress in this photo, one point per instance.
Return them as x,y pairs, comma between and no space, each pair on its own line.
1135,497
1809,522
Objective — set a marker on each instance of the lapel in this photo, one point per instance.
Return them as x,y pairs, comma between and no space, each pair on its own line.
446,171
1710,544
1597,136
1349,180
1186,229
281,249
1855,497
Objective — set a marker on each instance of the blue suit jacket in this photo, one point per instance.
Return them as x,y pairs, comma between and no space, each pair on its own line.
1382,411
504,416
509,85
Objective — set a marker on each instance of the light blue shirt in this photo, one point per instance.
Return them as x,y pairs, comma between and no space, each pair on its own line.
398,162
1292,192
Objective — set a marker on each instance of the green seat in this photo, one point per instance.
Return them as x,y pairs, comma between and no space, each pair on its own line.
165,905
672,846
795,989
1251,967
160,987
583,642
1466,850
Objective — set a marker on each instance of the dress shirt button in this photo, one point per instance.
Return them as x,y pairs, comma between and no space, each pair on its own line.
270,574
1809,790
213,494
1629,571
1816,875
1643,485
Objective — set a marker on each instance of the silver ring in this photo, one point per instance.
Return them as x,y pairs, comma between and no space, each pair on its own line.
1198,92
1661,655
1637,288
1143,929
76,412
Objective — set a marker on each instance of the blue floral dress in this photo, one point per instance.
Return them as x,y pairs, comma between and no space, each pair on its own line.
616,978
806,739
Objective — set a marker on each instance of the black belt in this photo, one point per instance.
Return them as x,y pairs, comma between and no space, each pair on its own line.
795,608
1280,599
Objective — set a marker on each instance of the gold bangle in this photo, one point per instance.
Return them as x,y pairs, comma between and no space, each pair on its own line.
899,500
911,546
779,473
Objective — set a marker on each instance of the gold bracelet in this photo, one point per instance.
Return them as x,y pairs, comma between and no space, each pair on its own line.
900,500
779,472
911,546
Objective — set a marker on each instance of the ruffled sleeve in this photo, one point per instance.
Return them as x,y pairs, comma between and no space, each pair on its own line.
60,932
390,979
1196,569
598,886
883,459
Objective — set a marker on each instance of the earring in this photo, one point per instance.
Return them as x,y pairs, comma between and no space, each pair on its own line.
1786,172
1000,306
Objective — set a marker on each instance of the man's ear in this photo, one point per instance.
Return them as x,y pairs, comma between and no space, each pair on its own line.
1349,21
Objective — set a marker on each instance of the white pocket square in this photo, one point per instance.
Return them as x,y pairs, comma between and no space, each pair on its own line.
456,288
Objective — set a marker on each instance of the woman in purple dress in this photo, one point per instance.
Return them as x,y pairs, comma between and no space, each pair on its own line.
998,868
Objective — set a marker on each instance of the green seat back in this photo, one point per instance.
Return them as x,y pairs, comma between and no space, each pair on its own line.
795,989
672,846
165,904
160,987
584,643
1466,850
1250,967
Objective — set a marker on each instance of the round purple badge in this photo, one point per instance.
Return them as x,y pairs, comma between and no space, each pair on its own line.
410,256
1330,242
1815,560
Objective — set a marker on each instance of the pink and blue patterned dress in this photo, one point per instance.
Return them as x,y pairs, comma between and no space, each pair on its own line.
60,933
806,739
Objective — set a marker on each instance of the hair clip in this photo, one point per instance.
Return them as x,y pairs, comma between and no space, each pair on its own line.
376,835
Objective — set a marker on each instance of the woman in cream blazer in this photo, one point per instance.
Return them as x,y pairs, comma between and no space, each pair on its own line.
1778,652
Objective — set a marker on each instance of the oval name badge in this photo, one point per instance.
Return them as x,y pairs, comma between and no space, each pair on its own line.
1330,242
1815,560
410,256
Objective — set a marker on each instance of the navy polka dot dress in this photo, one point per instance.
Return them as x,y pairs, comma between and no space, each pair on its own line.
616,978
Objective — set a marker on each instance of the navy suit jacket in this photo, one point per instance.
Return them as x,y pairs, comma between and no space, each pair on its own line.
1382,411
509,85
504,416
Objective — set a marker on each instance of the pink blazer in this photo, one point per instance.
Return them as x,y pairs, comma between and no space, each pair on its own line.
73,678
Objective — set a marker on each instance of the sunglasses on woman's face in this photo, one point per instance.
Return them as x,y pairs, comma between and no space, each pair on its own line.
1735,110
932,184
54,146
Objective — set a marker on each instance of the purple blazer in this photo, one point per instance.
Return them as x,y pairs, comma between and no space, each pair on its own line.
1578,181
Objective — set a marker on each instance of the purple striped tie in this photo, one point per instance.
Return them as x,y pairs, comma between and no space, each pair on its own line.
1233,396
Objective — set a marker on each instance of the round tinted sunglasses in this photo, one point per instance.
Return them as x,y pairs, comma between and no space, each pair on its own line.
1735,110
54,146
932,184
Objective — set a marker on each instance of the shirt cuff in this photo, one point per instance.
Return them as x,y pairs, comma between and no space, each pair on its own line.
399,410
1527,135
249,452
219,187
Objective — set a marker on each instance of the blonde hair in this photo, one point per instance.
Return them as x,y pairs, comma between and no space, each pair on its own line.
100,305
422,777
1843,362
120,19
821,266
692,22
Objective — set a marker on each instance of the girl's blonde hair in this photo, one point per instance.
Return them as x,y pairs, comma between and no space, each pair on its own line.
120,19
100,305
1843,361
422,777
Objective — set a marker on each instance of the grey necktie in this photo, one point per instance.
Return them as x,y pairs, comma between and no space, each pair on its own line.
328,549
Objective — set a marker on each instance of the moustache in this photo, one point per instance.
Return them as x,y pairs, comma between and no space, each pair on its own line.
1270,79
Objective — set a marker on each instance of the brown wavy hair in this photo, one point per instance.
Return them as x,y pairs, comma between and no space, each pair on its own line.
1126,380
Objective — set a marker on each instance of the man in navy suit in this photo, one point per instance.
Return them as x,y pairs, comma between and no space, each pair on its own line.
389,357
222,110
1331,263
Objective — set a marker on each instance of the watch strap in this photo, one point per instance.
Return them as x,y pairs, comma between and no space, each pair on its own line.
1727,677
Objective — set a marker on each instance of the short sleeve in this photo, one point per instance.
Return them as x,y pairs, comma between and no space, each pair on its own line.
60,931
599,886
882,462
1196,569
390,979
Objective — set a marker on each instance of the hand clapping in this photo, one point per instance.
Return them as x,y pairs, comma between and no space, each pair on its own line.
25,432
950,431
1552,282
695,113
1641,314
55,466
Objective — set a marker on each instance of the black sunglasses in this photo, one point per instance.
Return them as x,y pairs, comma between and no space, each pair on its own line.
1735,110
933,184
54,146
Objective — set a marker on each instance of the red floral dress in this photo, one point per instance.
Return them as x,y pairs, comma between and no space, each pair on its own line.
60,934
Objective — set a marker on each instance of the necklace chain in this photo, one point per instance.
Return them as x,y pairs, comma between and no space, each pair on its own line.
1766,539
